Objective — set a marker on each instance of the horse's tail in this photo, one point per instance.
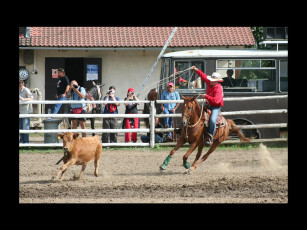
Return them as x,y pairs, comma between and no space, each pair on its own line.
237,131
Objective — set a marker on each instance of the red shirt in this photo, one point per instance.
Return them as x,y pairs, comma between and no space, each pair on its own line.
214,94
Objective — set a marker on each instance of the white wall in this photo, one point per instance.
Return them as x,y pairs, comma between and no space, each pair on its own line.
123,69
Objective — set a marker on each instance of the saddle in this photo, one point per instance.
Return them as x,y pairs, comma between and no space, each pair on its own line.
220,121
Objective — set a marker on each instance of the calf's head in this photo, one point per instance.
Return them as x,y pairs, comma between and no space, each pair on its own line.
68,140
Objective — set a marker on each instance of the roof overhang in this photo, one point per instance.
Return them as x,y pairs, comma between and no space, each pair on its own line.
227,53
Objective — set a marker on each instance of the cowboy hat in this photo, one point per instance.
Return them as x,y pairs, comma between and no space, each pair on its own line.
215,77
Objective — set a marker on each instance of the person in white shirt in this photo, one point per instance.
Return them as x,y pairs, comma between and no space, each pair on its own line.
24,123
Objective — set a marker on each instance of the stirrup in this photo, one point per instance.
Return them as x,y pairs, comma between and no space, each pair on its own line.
208,141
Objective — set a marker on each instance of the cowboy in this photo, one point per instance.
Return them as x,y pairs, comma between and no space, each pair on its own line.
214,98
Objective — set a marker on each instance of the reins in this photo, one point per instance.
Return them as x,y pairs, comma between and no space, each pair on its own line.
201,113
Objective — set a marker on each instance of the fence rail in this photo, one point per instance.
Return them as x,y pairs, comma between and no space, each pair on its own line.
149,116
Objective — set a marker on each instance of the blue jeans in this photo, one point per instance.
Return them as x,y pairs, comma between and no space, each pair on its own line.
146,139
24,123
212,122
168,121
58,106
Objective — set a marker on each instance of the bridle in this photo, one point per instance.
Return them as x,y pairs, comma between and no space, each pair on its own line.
189,116
188,121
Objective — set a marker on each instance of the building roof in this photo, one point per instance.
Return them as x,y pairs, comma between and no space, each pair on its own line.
137,37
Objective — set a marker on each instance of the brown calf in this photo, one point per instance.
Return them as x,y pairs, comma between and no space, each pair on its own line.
80,151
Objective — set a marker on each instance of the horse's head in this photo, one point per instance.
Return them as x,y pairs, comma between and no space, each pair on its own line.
99,87
189,106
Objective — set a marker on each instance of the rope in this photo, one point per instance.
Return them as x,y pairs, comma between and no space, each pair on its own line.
202,106
166,79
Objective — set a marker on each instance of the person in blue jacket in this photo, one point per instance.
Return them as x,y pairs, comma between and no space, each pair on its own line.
167,108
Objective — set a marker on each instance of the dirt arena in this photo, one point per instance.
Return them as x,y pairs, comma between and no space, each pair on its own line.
255,175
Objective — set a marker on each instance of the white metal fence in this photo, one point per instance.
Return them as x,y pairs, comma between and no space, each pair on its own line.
146,116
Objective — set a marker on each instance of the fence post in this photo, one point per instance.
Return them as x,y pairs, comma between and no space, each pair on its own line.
152,124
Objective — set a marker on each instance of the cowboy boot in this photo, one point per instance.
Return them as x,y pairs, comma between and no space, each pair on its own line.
208,140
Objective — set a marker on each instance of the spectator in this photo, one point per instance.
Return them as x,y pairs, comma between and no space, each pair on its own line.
168,108
24,123
158,135
131,108
62,89
77,93
110,123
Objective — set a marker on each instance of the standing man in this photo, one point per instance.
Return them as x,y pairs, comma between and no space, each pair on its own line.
110,123
62,89
168,108
77,93
214,96
24,123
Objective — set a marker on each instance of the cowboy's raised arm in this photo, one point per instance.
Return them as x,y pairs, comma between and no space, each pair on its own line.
202,75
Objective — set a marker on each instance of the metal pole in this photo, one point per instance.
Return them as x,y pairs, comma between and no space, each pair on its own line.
152,124
157,60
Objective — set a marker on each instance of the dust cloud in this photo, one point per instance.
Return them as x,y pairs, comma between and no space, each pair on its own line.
266,159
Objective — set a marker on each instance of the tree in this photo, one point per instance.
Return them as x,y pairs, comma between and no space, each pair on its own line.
258,35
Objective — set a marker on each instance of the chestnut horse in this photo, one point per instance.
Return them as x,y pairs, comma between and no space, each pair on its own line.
195,121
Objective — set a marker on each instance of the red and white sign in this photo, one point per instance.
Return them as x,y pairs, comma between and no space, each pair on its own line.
55,73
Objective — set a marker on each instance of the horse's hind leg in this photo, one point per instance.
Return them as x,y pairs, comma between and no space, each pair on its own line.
213,147
92,125
199,151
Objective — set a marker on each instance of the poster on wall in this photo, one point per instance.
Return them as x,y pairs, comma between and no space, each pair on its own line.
55,73
91,72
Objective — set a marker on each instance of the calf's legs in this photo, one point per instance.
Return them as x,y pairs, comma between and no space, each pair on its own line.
64,168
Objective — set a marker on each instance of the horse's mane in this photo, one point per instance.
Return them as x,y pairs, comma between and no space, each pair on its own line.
94,92
197,107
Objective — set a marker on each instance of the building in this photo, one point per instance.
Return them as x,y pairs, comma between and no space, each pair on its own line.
119,56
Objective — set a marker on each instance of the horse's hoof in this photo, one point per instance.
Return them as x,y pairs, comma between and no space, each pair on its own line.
189,171
186,165
162,167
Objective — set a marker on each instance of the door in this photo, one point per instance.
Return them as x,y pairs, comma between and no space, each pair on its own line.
83,70
51,80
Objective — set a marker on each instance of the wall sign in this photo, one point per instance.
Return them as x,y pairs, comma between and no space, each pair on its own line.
91,72
55,73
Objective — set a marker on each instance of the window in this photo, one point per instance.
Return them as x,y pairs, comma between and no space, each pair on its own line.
165,74
275,33
189,79
247,75
283,73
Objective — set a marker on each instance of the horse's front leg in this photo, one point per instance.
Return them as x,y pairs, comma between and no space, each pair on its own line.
180,143
186,156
